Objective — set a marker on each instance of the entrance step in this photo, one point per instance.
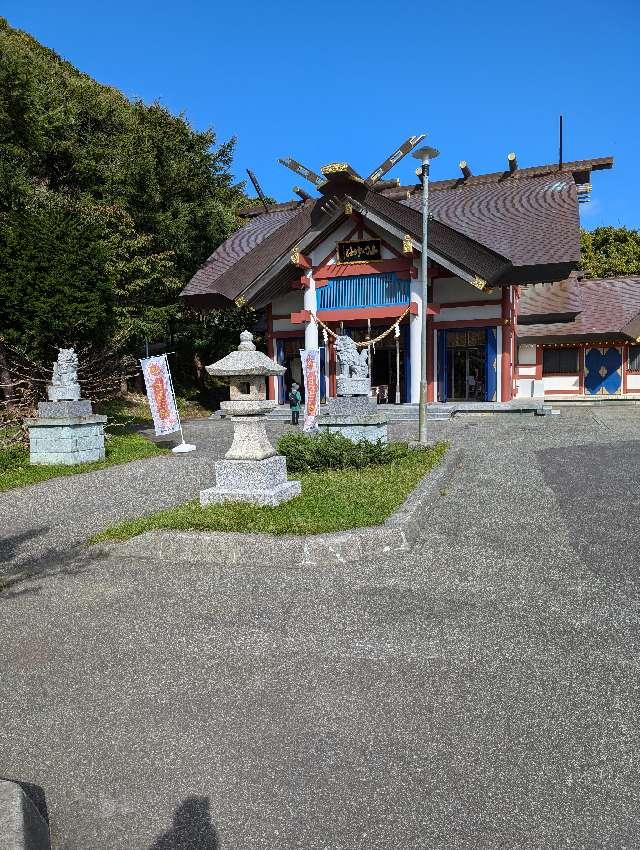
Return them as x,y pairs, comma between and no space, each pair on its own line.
441,412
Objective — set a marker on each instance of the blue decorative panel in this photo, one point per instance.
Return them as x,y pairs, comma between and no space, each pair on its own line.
491,365
367,290
603,371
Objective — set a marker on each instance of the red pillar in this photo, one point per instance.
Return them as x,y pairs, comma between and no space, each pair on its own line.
430,375
272,385
506,378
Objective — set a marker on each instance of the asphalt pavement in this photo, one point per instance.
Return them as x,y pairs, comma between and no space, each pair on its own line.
480,691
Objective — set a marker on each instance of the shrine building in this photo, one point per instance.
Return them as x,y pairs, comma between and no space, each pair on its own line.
507,314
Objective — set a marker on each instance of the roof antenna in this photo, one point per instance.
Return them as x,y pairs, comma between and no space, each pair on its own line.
259,191
560,151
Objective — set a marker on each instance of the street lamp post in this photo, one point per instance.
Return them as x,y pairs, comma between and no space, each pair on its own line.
425,155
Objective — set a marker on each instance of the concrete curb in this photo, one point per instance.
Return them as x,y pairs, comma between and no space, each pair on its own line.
398,533
22,827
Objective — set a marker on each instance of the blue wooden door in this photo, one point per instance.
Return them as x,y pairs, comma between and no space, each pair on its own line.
602,371
491,365
442,366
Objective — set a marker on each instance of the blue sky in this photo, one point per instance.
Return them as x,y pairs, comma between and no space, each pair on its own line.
329,81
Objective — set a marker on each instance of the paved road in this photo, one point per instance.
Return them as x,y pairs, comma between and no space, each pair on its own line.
479,692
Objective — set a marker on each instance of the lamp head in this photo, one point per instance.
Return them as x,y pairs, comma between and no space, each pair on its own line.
425,153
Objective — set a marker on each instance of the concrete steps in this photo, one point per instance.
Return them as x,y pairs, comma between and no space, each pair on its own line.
441,412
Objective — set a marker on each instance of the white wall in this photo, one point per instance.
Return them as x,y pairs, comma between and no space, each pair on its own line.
328,245
564,383
462,314
527,355
447,289
288,302
633,382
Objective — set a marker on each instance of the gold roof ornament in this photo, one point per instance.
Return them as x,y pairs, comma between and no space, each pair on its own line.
479,283
348,208
407,244
295,257
335,167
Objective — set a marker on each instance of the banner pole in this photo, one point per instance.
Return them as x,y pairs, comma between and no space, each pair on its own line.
183,447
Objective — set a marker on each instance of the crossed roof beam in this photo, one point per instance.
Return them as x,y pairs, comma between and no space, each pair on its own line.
340,171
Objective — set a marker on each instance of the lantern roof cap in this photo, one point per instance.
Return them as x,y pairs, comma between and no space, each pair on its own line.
245,361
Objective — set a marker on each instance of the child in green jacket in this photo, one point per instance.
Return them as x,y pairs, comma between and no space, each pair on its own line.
294,403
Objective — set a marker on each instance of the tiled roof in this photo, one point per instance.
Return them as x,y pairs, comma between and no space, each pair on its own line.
507,229
609,305
216,275
530,222
544,302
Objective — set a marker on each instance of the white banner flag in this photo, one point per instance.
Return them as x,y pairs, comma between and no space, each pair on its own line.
311,373
162,400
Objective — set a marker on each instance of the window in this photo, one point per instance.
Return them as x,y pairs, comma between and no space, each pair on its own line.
634,358
559,361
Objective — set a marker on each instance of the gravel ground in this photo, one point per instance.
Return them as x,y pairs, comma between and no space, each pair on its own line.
478,692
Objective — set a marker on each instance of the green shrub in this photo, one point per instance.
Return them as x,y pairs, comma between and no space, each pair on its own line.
305,452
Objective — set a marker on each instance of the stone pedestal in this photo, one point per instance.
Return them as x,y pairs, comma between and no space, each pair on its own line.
66,430
66,440
260,482
353,386
355,417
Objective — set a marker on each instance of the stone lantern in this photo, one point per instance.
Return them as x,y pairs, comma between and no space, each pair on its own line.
251,471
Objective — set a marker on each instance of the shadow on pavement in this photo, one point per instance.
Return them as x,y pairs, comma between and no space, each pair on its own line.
596,488
18,564
192,828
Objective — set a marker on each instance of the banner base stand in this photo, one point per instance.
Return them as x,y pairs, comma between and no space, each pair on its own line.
183,447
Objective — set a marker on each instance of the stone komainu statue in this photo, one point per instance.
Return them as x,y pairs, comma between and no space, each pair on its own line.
351,362
65,369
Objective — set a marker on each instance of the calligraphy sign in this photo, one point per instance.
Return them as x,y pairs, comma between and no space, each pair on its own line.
360,251
162,401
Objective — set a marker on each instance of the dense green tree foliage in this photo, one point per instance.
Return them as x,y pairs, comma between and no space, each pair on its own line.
107,206
610,251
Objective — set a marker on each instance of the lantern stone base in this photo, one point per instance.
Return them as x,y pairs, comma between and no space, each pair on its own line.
259,482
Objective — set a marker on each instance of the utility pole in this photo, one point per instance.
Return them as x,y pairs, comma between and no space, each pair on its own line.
425,155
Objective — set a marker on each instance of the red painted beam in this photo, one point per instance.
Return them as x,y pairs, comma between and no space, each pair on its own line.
300,260
300,318
348,269
347,314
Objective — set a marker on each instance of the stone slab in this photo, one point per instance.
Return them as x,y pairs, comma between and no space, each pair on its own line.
58,409
259,482
57,421
353,386
269,497
376,419
22,827
398,533
69,392
358,405
370,431
66,440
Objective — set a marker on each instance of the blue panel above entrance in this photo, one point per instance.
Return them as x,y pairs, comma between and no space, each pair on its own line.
367,290
491,365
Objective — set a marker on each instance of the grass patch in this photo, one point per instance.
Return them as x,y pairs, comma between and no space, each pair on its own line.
16,471
133,409
331,500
